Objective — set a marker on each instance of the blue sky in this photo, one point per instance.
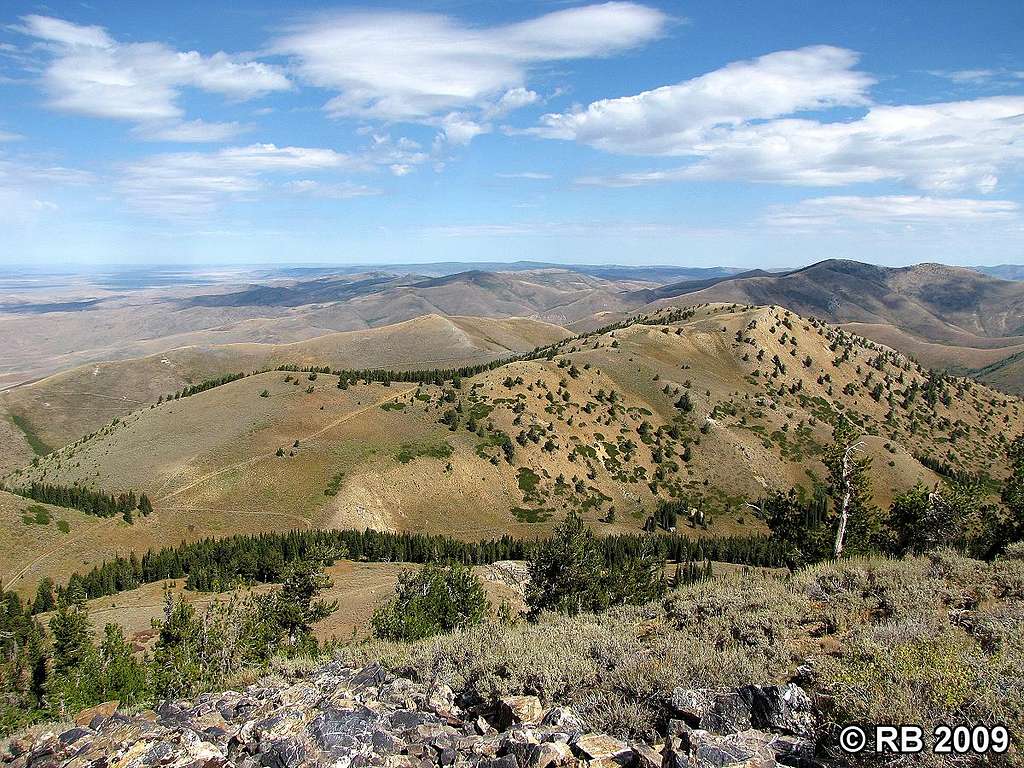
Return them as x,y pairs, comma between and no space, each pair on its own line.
736,133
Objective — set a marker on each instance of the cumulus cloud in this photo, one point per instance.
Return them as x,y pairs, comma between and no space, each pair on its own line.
420,67
743,122
839,210
90,73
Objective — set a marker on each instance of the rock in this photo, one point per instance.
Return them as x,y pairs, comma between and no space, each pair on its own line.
677,727
550,753
717,710
518,742
746,749
507,761
564,720
369,718
647,756
513,710
94,717
597,746
784,708
70,737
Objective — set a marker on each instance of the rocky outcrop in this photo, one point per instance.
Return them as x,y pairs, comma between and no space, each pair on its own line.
341,716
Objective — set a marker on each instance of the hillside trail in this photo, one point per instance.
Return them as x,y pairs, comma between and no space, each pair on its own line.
54,550
300,518
311,437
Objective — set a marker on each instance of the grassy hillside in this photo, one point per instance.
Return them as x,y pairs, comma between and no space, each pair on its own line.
61,408
711,407
948,317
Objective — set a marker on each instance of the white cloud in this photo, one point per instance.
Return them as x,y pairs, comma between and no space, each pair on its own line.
420,67
935,147
341,191
742,122
524,175
977,76
6,136
677,119
65,32
194,183
25,185
191,131
459,130
839,210
190,184
90,73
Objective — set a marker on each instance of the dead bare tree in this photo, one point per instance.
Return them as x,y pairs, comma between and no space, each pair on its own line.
849,467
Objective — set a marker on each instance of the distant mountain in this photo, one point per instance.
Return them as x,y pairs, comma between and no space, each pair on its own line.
318,291
1003,271
649,273
553,294
935,301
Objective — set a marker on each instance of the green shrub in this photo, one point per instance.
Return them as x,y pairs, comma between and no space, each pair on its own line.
435,600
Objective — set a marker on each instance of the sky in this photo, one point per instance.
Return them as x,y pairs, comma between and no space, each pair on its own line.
702,133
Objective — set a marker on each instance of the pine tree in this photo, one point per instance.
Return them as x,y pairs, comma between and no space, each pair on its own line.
45,600
72,684
566,571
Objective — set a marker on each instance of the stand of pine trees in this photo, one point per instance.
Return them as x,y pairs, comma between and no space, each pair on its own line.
220,564
98,503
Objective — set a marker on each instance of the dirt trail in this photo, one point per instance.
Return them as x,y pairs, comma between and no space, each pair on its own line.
11,580
300,518
308,438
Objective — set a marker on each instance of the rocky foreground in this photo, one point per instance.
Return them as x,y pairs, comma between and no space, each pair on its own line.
341,716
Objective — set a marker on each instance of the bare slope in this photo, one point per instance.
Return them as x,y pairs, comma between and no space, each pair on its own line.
712,407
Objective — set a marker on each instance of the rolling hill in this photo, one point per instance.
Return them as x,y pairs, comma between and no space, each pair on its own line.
59,409
50,330
711,407
947,317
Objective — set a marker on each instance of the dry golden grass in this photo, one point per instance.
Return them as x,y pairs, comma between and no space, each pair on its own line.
63,407
358,588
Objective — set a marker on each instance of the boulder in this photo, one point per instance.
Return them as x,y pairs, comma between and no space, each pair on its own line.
779,708
563,720
94,717
519,710
603,748
703,749
784,708
714,709
647,756
550,753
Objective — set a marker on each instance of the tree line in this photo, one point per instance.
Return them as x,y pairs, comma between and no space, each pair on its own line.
98,503
839,517
226,563
202,386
